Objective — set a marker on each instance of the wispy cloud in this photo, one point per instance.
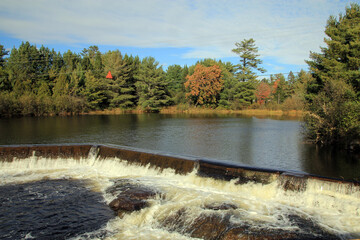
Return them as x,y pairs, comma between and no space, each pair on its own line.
284,29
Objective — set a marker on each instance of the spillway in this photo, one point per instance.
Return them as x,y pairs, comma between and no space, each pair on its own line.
194,198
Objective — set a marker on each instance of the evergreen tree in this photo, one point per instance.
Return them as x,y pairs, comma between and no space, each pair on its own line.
249,61
23,68
302,80
151,86
44,63
175,78
244,93
4,80
3,53
121,86
77,82
44,90
46,68
281,88
61,87
45,104
96,87
56,65
70,60
95,91
291,79
340,59
98,67
185,72
333,96
227,95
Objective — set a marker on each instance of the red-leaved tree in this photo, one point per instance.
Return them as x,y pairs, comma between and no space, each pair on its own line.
276,85
204,84
262,92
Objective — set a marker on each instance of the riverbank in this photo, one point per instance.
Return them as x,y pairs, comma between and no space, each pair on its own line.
195,110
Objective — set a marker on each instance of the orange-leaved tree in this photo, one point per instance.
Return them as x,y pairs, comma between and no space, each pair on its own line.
262,93
204,84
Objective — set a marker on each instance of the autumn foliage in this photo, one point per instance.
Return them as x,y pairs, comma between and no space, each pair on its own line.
276,85
262,92
204,84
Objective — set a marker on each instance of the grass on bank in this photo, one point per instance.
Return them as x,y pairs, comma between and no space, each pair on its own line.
187,109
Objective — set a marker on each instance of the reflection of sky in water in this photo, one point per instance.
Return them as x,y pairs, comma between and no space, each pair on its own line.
252,141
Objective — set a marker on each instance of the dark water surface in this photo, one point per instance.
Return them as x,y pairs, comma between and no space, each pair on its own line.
251,141
51,209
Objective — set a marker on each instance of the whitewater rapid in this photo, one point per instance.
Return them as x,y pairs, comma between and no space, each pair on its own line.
336,210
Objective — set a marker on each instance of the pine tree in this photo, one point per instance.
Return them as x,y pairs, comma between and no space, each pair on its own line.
122,85
333,96
174,79
77,82
281,88
151,86
70,60
95,91
249,61
4,80
291,79
61,86
244,93
23,69
227,95
340,59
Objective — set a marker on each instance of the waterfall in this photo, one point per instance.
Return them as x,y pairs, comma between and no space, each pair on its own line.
284,201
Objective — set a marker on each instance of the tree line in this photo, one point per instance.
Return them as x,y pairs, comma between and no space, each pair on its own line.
39,81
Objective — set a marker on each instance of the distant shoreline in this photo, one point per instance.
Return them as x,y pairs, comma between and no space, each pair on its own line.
194,110
296,114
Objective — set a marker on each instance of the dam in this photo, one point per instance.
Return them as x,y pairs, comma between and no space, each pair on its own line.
187,197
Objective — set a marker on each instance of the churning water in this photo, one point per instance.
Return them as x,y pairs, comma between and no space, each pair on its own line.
36,193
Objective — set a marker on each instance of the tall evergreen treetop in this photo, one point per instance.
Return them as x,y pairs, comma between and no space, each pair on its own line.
333,96
249,60
122,86
4,82
174,78
23,68
3,53
340,59
151,86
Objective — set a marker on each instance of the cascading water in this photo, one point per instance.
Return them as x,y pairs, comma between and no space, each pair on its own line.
291,207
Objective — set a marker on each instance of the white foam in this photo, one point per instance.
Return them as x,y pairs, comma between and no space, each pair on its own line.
334,208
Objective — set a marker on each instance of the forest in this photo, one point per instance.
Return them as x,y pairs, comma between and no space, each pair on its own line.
37,81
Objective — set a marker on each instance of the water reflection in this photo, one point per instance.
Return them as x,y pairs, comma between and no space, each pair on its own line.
255,141
330,162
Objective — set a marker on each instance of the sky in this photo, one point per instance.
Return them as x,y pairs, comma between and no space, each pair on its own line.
174,31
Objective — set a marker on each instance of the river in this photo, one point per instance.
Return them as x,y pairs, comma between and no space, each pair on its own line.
261,142
59,198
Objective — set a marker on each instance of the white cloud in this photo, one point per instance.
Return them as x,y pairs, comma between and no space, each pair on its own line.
284,29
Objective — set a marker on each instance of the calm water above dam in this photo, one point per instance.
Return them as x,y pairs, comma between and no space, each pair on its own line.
251,141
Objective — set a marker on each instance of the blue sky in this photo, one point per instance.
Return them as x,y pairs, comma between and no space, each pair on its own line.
174,31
